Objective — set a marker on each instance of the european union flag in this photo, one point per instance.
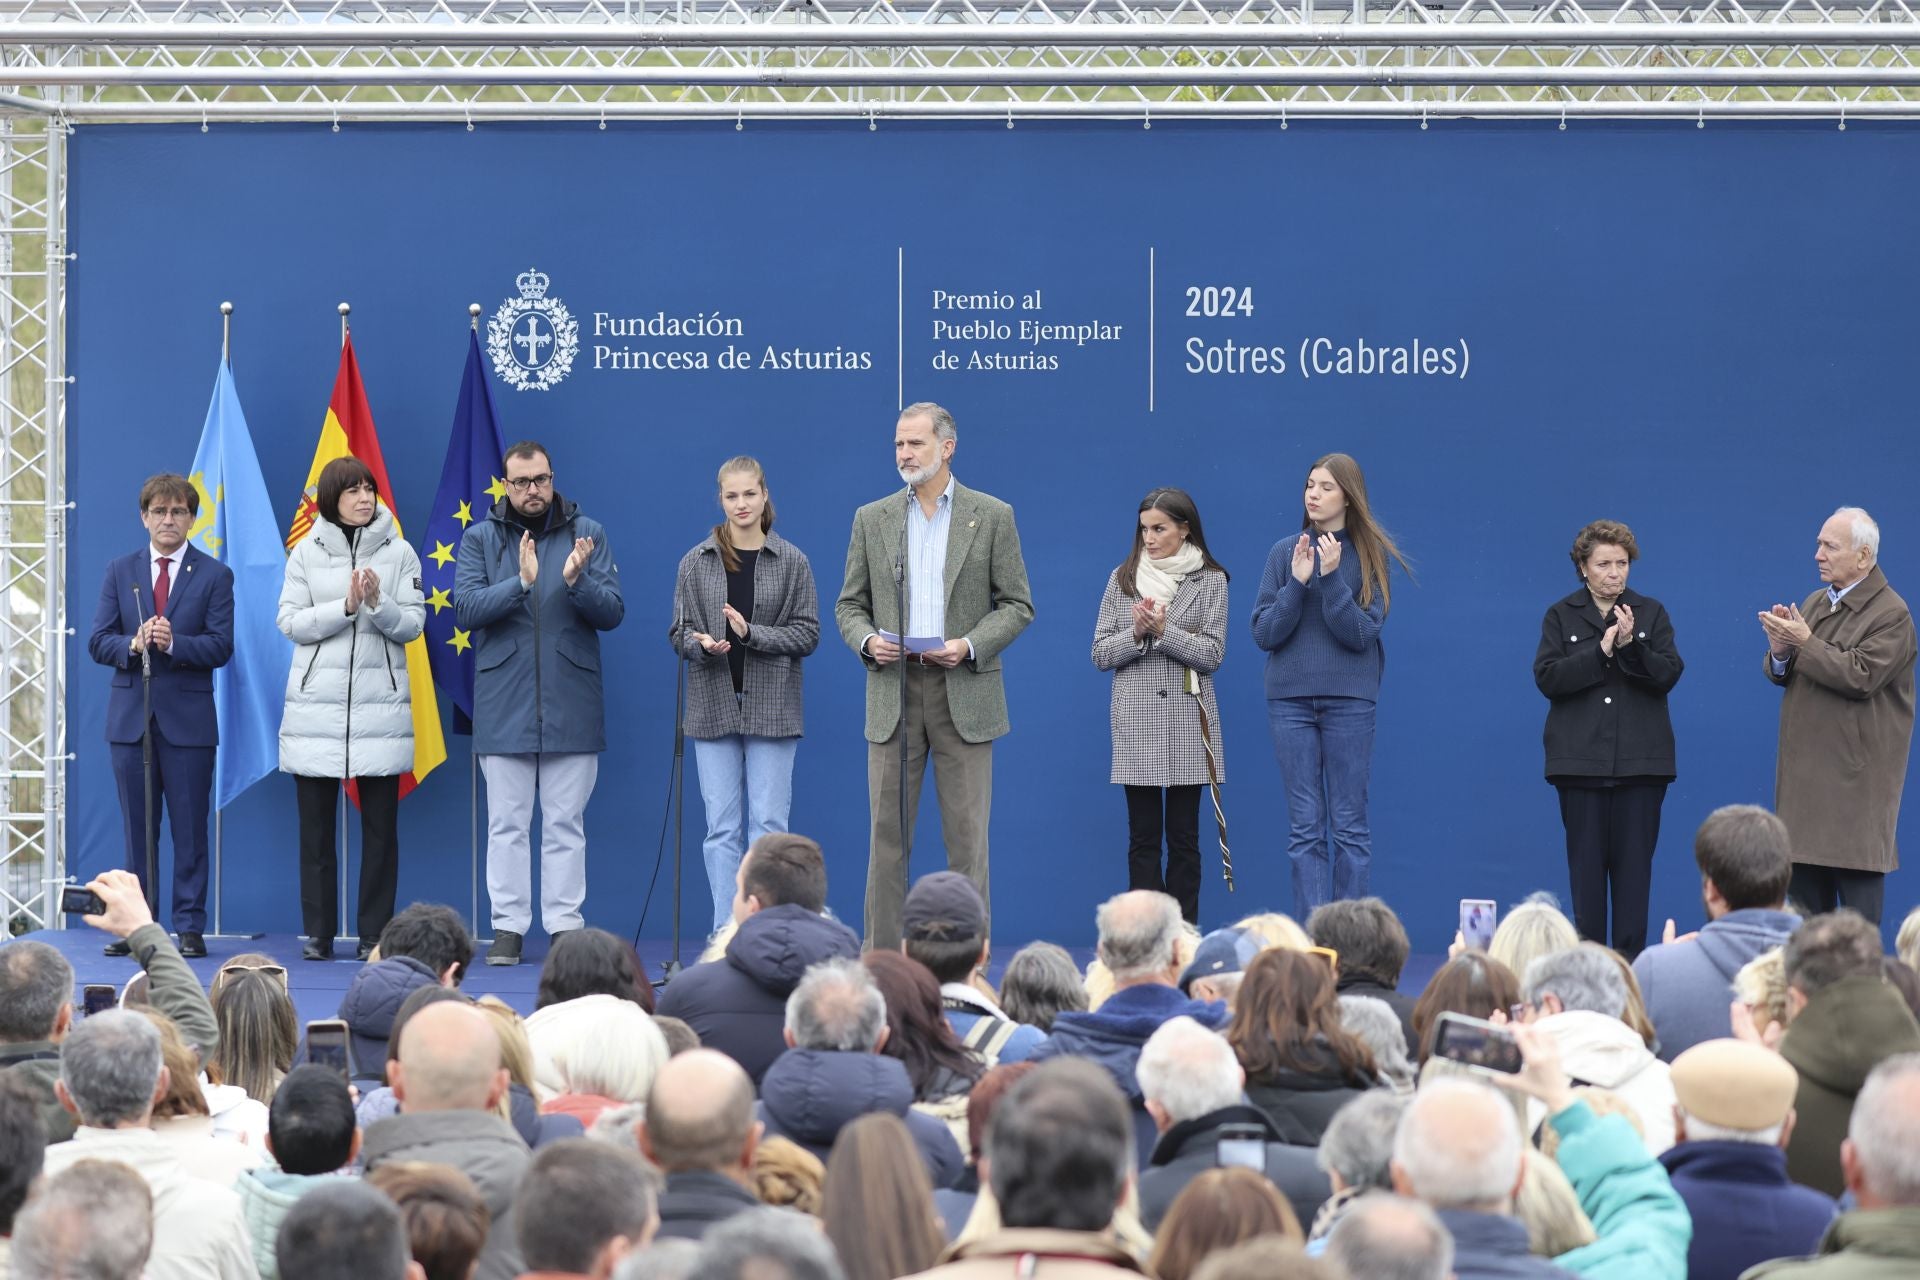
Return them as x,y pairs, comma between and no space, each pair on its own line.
468,489
238,527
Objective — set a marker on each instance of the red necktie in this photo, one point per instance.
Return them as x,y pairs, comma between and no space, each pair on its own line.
160,586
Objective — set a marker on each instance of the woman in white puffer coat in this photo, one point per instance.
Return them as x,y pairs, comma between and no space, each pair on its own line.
351,602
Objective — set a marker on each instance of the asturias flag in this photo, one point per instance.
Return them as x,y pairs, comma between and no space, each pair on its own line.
468,488
348,429
236,526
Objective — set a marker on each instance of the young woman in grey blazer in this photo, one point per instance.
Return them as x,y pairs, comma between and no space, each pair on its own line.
1162,632
744,614
351,603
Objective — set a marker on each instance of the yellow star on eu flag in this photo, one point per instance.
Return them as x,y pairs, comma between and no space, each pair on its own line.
439,600
460,641
464,514
497,490
442,554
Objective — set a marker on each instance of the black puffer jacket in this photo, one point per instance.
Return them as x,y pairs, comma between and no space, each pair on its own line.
1301,1104
738,1003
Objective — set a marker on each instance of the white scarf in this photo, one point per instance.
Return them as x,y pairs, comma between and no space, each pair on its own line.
1159,579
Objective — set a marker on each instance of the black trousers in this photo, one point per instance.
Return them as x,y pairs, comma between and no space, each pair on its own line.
1611,832
1181,825
1822,889
319,854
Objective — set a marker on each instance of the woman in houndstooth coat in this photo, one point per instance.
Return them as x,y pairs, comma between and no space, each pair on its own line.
1162,632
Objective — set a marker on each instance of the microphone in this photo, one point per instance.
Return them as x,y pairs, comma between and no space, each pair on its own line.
900,555
146,650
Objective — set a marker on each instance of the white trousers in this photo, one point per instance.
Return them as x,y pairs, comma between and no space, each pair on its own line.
563,782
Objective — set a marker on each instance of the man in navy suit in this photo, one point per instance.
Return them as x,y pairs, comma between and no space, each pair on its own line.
175,602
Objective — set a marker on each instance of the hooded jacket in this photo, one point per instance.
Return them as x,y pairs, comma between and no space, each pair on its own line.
1607,1053
267,1195
1191,1147
373,997
809,1095
478,1144
1114,1034
1844,1032
1688,986
536,679
1640,1224
738,1003
1867,1244
198,1233
349,705
1302,1104
1744,1209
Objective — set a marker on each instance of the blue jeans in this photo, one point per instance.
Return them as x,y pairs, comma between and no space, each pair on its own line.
746,784
1325,748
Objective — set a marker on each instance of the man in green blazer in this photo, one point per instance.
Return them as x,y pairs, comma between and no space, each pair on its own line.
966,590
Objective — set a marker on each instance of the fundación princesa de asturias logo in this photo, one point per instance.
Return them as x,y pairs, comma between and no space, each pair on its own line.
533,339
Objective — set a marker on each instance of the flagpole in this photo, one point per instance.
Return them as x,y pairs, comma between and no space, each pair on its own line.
473,760
219,879
345,309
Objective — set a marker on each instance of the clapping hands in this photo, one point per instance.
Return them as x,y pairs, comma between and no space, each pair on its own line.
1149,618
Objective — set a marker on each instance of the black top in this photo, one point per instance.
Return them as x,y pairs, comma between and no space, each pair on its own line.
1607,715
740,596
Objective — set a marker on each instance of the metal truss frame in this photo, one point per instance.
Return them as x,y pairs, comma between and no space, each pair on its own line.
67,63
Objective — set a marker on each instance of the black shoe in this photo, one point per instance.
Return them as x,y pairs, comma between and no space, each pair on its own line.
117,948
317,949
193,946
505,948
365,948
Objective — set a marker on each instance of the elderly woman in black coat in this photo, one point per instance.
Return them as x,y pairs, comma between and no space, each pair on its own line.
1606,664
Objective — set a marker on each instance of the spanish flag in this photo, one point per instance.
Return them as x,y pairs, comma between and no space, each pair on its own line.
349,429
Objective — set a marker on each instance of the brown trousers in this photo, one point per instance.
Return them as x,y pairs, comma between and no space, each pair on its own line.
963,780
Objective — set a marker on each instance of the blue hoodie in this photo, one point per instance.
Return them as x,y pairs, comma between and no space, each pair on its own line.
809,1095
738,1003
1114,1034
1688,986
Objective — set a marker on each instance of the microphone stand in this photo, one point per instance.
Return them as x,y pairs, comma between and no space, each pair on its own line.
672,967
900,604
146,761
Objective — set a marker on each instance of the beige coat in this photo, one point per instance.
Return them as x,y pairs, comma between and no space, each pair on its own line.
1055,1255
1846,723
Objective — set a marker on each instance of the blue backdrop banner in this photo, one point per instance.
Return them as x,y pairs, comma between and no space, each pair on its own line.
1516,329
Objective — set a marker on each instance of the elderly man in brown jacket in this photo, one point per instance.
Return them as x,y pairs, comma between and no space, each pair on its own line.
1060,1156
1845,657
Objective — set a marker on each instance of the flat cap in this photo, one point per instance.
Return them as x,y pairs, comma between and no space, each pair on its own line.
1734,1085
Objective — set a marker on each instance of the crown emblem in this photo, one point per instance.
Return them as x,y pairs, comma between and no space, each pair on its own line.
533,338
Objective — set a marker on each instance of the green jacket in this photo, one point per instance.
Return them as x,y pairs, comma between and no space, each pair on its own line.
989,602
1867,1244
173,990
1642,1224
1844,1032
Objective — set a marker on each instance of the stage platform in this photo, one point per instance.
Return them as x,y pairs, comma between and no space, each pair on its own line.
316,986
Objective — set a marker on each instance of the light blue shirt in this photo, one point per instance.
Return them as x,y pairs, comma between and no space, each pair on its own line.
1834,596
927,564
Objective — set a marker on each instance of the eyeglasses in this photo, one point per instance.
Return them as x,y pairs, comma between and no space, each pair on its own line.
274,971
178,513
523,483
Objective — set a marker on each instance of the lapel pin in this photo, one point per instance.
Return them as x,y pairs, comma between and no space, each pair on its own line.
972,523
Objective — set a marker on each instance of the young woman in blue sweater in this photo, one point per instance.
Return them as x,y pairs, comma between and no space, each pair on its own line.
1323,600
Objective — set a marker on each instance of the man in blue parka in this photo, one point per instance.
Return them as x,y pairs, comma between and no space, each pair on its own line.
534,587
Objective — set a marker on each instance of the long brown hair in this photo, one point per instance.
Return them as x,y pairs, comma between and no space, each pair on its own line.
1177,504
1373,543
1219,1208
919,1033
1473,983
877,1203
723,532
1286,1010
259,1034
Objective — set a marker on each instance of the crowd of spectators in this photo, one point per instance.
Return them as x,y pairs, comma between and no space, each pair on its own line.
1264,1101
